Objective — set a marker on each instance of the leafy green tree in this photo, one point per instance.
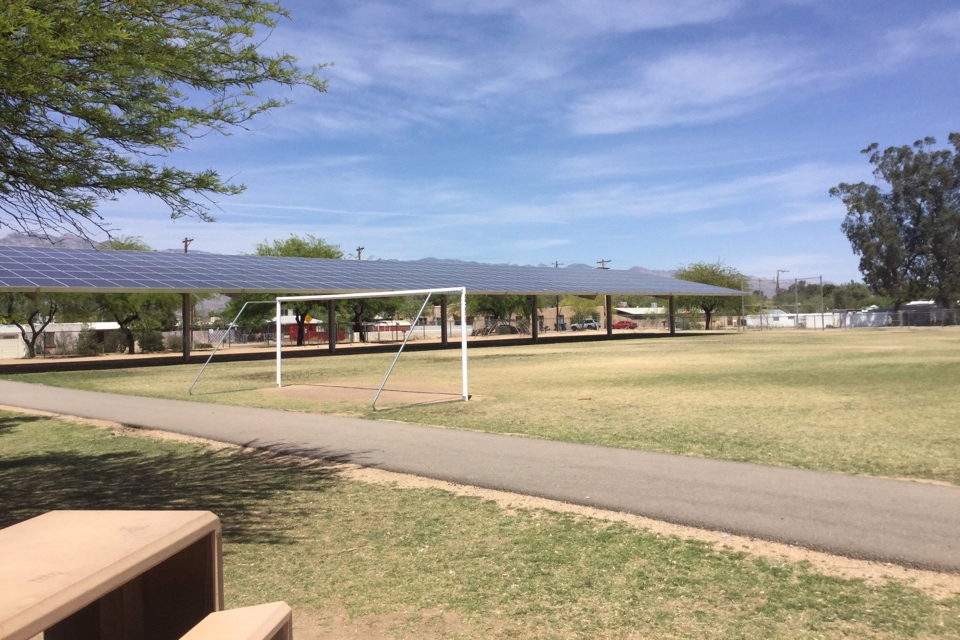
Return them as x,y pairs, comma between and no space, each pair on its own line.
31,314
581,308
87,344
907,229
128,309
361,311
93,93
713,273
407,307
852,295
803,295
498,307
125,243
293,247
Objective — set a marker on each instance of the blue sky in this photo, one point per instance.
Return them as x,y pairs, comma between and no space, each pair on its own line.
650,133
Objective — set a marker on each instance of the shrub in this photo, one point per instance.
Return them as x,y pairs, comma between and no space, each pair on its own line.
174,343
87,344
115,342
150,340
62,343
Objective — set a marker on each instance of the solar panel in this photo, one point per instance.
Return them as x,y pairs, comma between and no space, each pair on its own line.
81,270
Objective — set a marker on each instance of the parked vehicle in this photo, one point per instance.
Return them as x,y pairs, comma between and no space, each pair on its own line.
589,323
624,324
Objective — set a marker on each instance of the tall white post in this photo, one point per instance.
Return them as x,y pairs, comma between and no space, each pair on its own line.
463,341
279,340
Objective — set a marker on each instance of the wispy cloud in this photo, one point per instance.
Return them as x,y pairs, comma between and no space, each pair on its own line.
536,244
591,18
929,37
443,62
466,61
692,86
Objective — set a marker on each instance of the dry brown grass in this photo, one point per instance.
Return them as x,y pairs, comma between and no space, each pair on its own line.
876,402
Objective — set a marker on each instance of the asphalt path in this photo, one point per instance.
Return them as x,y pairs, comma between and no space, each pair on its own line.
908,523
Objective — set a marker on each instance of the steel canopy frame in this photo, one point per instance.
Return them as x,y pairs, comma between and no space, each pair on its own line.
385,294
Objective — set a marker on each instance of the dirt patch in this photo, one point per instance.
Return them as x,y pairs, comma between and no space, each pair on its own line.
935,584
412,394
337,624
932,583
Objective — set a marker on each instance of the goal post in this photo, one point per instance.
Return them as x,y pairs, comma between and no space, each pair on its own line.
383,294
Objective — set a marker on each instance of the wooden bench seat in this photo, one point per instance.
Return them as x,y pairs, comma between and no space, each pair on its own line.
272,621
105,575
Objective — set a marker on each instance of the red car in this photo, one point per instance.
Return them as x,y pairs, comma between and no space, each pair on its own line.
624,324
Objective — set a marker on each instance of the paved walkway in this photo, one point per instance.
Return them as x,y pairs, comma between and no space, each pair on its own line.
909,523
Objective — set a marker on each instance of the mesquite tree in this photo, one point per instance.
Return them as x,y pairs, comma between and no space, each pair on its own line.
95,93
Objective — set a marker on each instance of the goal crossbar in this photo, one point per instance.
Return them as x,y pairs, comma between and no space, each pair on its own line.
384,294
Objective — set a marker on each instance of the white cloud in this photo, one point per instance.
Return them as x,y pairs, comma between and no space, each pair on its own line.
589,18
693,86
930,37
396,66
535,244
728,226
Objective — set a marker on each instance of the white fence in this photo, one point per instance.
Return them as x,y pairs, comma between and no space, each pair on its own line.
853,319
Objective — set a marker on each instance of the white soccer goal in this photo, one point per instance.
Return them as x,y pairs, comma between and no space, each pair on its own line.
384,294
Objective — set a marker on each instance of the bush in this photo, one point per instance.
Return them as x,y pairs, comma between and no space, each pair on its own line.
87,344
150,341
62,343
115,342
174,343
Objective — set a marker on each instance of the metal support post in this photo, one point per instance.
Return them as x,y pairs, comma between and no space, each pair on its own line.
331,325
443,320
673,315
608,306
187,332
534,319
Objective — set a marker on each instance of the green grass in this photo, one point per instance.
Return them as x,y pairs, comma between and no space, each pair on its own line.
876,402
435,565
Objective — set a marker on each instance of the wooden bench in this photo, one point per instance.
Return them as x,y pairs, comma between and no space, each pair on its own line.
273,621
110,575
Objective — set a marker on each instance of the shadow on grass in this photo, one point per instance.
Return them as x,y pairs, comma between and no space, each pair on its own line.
8,423
244,489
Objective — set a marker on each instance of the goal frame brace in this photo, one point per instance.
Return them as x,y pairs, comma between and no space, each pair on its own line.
384,294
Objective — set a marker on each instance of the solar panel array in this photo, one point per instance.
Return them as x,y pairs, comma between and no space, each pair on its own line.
77,270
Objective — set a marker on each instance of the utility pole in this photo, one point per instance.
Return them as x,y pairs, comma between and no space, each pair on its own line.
186,315
796,304
556,324
603,264
776,293
823,322
760,296
359,251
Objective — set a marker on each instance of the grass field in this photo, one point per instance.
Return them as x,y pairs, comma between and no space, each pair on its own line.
876,402
365,561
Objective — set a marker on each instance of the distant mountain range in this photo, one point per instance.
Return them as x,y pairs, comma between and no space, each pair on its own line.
66,241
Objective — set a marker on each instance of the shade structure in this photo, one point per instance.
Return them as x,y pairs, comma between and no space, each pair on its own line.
31,269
